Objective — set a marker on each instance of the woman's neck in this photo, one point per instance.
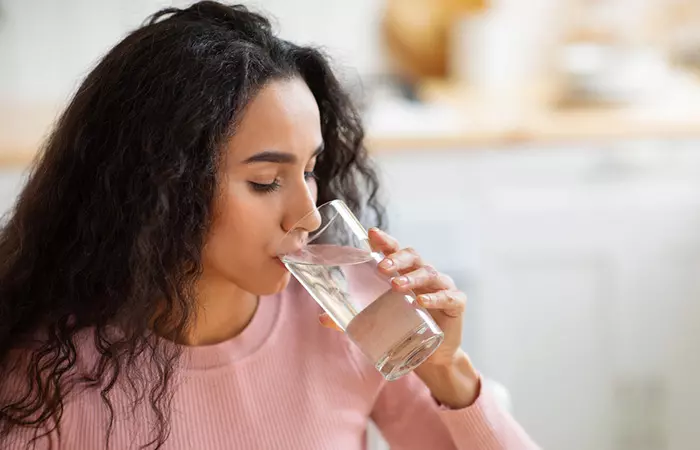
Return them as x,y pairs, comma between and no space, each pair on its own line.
223,311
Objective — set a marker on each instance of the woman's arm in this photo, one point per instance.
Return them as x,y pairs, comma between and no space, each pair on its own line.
440,405
410,418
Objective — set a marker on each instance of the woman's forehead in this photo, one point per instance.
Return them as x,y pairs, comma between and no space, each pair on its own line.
282,117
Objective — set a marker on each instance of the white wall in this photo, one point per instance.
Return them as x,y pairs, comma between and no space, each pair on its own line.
48,46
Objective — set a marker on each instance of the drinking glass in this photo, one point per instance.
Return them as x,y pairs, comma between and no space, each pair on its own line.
328,251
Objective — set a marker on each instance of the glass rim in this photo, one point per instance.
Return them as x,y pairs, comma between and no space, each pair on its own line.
313,235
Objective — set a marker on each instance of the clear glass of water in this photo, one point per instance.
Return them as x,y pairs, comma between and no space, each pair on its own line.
328,251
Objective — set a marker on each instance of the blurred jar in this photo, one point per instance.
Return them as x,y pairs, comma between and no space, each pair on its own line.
503,55
506,46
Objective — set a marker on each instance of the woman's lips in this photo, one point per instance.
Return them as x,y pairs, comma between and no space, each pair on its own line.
279,261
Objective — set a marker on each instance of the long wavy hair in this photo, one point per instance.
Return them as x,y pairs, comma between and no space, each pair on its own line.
109,228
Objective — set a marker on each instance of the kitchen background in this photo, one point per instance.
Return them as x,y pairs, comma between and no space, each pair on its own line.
544,153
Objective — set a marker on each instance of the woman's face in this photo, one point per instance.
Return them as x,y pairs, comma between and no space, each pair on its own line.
267,186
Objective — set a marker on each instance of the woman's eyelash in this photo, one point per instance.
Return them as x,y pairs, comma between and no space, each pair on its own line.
271,187
265,188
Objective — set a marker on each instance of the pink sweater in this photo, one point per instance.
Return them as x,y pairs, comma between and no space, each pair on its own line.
287,383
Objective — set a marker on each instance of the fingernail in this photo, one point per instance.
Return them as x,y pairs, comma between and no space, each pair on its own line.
379,232
327,322
386,264
401,281
424,299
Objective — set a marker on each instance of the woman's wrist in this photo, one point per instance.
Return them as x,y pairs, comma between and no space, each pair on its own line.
456,384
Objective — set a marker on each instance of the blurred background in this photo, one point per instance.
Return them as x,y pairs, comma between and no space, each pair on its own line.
545,153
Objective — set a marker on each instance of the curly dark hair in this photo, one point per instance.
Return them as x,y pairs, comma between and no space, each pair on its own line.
112,220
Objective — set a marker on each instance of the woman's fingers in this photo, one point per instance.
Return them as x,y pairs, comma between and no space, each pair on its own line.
425,278
450,302
402,261
397,260
382,242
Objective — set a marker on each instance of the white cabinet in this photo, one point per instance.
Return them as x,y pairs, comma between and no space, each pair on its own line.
583,270
582,267
10,184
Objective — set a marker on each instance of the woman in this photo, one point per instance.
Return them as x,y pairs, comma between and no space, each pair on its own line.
141,302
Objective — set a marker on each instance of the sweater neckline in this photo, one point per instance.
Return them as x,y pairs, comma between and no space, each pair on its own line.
253,337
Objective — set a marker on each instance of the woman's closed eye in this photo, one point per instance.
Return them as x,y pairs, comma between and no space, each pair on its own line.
275,184
265,187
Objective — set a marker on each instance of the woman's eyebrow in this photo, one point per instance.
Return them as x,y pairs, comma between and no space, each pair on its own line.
272,156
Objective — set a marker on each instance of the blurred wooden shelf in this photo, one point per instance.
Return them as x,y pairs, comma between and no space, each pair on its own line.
533,118
550,131
526,122
15,158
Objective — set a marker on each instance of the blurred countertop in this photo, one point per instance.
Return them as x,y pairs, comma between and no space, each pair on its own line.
457,117
450,117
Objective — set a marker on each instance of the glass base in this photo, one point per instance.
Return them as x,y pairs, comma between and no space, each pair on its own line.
409,353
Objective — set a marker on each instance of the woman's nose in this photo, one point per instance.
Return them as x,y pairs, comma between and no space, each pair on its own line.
311,221
298,229
303,214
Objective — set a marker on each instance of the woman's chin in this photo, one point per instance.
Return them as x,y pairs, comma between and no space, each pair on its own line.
278,285
270,279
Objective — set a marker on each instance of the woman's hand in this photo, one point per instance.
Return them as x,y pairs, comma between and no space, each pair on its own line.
448,372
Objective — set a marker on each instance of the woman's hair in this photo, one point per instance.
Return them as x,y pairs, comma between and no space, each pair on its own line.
108,231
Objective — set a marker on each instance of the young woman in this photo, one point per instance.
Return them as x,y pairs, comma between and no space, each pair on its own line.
141,301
